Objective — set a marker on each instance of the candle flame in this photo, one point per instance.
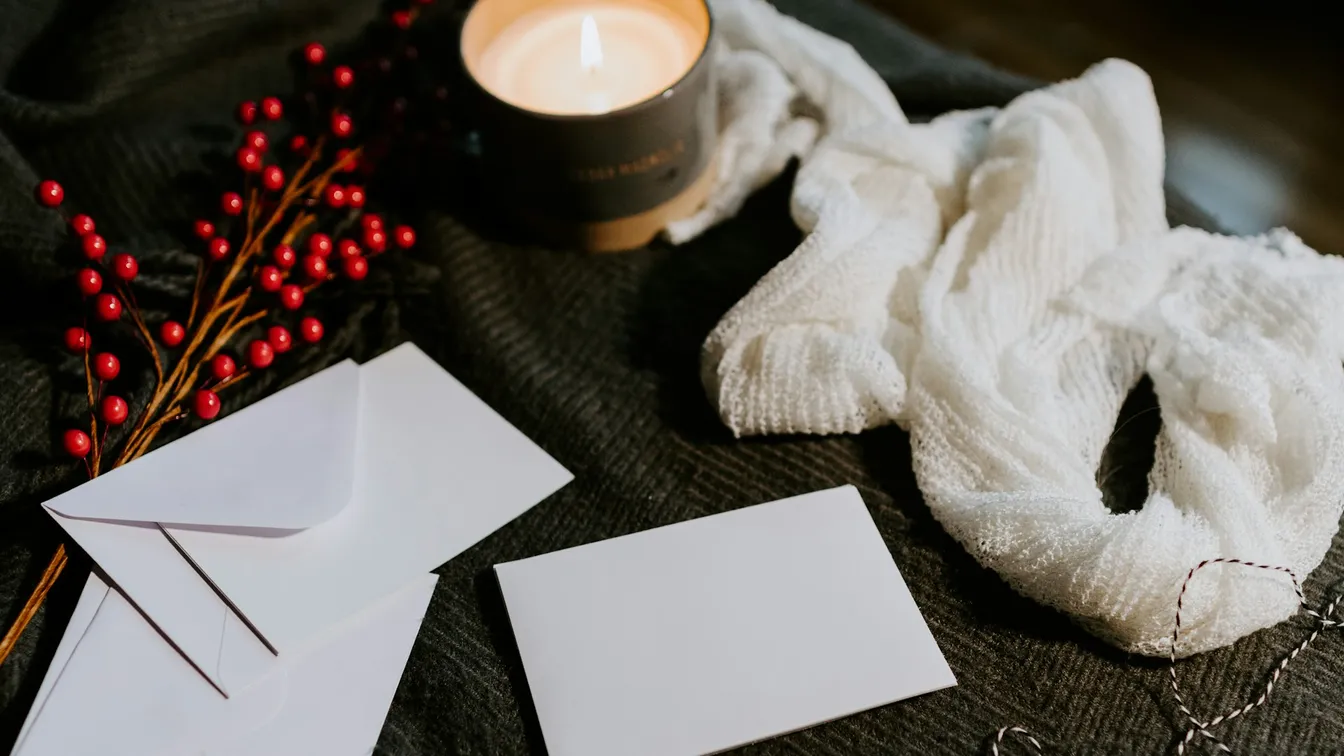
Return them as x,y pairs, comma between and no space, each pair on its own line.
590,45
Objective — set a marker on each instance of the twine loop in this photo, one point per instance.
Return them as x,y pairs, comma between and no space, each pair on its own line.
1022,734
1325,619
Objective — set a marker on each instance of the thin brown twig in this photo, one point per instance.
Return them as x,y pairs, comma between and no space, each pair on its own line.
176,413
34,602
252,242
172,387
296,227
171,391
231,380
93,413
144,334
141,445
253,211
232,330
168,388
319,182
196,293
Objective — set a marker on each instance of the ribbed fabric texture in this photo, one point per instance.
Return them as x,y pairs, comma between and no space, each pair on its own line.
997,282
594,357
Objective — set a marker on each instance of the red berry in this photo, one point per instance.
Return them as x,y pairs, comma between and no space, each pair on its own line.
315,267
50,193
354,196
222,366
401,19
106,366
285,256
372,220
256,140
124,266
334,195
106,307
310,330
114,410
76,340
249,159
89,282
231,203
279,339
76,443
94,246
273,178
345,161
171,333
342,125
247,112
272,108
269,278
320,245
298,143
347,248
260,354
314,53
218,249
82,224
356,268
405,236
375,240
206,404
342,77
291,297
204,229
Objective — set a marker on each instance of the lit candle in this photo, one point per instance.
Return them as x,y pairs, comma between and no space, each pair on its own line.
596,118
590,57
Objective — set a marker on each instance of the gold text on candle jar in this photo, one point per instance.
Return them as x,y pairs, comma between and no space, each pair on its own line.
642,164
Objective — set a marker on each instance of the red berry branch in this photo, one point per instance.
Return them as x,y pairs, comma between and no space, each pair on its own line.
291,222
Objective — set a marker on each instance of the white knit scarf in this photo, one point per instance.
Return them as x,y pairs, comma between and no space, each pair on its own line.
996,282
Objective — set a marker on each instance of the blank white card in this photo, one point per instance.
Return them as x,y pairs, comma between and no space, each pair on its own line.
717,632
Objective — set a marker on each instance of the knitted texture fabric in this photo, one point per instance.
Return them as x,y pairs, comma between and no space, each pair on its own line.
997,282
595,357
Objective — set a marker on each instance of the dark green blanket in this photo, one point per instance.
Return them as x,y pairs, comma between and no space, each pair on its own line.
596,358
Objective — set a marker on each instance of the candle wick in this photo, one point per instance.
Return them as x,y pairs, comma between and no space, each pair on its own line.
590,46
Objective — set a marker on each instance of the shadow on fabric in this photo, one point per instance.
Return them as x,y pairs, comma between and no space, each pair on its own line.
690,288
495,616
26,544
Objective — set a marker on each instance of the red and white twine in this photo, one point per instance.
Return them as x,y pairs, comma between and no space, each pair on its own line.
1199,728
1022,732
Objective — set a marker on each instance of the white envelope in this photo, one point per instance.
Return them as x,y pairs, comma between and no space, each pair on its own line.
251,535
116,688
709,634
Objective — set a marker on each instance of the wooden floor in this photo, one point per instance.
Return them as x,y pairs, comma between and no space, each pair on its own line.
1252,102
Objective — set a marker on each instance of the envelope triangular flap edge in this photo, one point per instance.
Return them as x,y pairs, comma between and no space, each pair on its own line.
284,463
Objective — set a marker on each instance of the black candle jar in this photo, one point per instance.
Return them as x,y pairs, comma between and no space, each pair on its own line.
606,181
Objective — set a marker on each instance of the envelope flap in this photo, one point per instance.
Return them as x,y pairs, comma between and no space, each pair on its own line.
286,463
437,471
